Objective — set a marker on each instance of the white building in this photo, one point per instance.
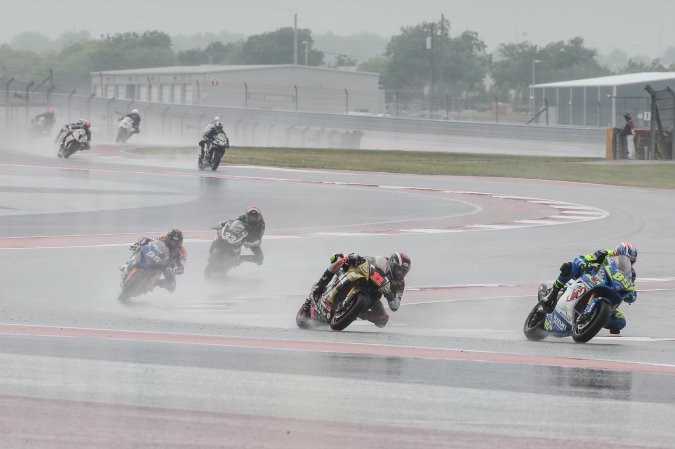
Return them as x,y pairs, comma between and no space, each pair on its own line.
274,87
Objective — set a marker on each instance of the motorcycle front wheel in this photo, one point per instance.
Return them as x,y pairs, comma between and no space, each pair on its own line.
348,310
534,324
215,159
132,285
70,148
585,328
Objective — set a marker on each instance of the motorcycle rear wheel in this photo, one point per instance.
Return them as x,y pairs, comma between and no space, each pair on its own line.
534,324
348,310
600,314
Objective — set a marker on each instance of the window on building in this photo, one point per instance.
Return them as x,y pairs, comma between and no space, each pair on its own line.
176,93
154,93
188,95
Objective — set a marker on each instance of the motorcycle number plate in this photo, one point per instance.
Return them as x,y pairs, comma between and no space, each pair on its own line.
377,278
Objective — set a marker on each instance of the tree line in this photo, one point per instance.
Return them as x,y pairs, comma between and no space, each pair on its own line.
421,57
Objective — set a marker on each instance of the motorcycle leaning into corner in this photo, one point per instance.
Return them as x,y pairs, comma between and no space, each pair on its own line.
214,152
75,140
352,292
583,305
125,129
143,269
225,248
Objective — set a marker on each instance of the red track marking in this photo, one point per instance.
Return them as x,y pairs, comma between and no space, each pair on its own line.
337,348
61,424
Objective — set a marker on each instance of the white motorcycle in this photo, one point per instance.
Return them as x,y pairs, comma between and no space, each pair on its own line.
73,141
126,129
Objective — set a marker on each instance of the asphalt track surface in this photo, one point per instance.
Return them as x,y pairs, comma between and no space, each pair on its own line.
223,364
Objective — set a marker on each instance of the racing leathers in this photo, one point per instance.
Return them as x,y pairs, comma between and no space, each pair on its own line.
68,129
576,268
253,239
392,290
135,121
175,265
209,134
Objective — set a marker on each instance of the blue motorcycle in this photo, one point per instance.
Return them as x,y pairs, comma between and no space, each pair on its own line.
142,270
584,305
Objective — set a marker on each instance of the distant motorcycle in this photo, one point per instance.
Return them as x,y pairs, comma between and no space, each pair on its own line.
214,152
225,248
352,292
142,270
41,127
584,305
125,129
75,140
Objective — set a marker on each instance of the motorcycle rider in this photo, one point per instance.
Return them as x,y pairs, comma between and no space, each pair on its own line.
590,263
44,121
177,256
135,120
255,227
393,268
210,133
68,130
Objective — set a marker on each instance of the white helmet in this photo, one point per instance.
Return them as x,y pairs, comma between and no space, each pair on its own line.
134,111
216,118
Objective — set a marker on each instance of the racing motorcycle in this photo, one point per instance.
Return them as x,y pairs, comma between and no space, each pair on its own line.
40,127
225,248
214,152
126,129
75,140
583,305
142,270
352,292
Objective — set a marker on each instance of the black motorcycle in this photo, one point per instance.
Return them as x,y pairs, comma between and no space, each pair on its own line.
214,152
225,248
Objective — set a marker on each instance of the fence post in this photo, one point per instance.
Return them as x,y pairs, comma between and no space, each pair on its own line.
70,99
28,99
93,94
346,101
164,117
7,110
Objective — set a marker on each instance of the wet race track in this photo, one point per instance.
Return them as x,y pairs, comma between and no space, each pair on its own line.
224,365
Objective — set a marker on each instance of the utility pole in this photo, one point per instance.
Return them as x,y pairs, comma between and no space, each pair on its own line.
295,39
430,47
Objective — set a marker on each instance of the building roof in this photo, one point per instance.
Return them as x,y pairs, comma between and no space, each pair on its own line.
209,68
615,80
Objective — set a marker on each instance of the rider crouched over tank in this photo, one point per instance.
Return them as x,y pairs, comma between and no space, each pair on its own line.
591,263
391,270
255,227
177,257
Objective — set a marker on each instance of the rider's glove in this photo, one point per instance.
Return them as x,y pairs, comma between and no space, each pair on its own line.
353,260
335,256
630,297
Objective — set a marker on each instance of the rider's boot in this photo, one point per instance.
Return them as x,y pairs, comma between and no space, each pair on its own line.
551,299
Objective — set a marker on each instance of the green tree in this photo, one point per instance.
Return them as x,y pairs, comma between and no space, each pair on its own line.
276,47
31,41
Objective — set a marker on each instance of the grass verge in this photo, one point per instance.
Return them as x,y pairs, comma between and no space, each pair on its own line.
624,173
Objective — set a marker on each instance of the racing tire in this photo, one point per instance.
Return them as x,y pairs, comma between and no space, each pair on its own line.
534,324
70,148
215,159
591,328
302,319
353,304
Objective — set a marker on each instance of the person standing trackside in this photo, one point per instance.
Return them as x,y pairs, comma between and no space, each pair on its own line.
627,133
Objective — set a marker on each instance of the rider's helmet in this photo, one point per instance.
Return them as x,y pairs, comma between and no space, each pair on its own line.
86,123
399,265
627,116
51,110
216,119
174,238
253,214
218,125
134,111
627,249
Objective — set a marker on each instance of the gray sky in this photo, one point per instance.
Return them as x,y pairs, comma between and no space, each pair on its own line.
604,24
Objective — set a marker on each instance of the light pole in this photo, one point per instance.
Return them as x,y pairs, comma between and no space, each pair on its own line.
534,61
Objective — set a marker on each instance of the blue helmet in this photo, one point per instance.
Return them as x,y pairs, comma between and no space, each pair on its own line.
627,249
